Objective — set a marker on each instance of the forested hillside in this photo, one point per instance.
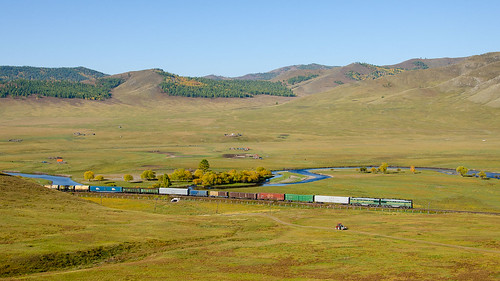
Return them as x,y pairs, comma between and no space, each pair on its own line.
175,85
75,74
99,90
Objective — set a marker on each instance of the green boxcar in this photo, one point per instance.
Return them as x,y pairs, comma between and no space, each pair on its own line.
299,197
365,201
149,190
131,190
396,203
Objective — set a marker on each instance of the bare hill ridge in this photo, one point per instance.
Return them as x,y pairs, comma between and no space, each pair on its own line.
475,79
139,87
334,77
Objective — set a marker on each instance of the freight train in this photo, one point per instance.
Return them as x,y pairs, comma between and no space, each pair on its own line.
355,201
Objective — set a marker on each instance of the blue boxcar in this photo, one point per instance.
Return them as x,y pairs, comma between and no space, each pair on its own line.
105,189
193,192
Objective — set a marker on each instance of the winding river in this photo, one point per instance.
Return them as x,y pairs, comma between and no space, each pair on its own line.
310,173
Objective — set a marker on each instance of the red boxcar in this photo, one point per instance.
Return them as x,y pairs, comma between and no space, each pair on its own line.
222,194
271,196
243,195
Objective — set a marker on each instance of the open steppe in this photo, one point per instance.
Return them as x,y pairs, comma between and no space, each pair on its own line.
440,117
49,235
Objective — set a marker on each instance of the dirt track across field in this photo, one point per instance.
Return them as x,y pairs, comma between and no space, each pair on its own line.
384,236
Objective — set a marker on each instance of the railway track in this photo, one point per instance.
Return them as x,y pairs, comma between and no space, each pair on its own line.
275,203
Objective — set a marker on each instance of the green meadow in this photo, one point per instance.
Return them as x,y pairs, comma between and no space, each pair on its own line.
423,118
55,236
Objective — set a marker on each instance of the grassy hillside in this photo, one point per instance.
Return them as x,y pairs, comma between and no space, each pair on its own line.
335,77
74,74
48,235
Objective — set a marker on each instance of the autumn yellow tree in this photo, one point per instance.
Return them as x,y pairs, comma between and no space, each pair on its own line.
88,175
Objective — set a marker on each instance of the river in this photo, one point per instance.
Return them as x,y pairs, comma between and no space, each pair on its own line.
57,180
311,176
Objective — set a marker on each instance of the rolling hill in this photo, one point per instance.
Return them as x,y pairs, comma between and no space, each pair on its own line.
320,78
442,113
73,74
362,71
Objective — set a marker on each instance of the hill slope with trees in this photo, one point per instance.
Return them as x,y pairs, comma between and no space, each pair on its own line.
74,74
176,85
99,89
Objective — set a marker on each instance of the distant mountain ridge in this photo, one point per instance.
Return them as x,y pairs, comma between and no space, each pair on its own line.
273,73
73,74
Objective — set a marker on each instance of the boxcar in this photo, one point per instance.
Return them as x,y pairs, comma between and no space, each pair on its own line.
222,194
199,193
81,188
175,191
212,193
299,197
150,190
396,203
331,199
105,189
271,196
242,195
131,190
359,201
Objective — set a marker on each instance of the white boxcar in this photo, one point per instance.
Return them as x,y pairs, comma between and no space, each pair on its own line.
331,199
176,191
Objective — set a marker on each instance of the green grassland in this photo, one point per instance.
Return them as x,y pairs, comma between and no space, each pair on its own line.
427,189
50,235
419,118
287,177
433,117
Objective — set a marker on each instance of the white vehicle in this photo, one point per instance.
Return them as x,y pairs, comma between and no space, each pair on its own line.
175,200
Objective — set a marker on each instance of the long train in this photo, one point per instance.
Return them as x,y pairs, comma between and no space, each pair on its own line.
356,201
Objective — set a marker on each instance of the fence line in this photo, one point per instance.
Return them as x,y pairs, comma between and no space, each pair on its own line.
270,203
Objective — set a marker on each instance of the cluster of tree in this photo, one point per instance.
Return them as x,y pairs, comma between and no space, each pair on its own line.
210,178
376,72
381,169
75,74
464,172
89,176
301,78
60,89
420,65
202,176
175,85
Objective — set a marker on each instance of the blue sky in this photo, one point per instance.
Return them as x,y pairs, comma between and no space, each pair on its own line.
233,38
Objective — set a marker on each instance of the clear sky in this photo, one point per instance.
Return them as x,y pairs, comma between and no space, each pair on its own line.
233,38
